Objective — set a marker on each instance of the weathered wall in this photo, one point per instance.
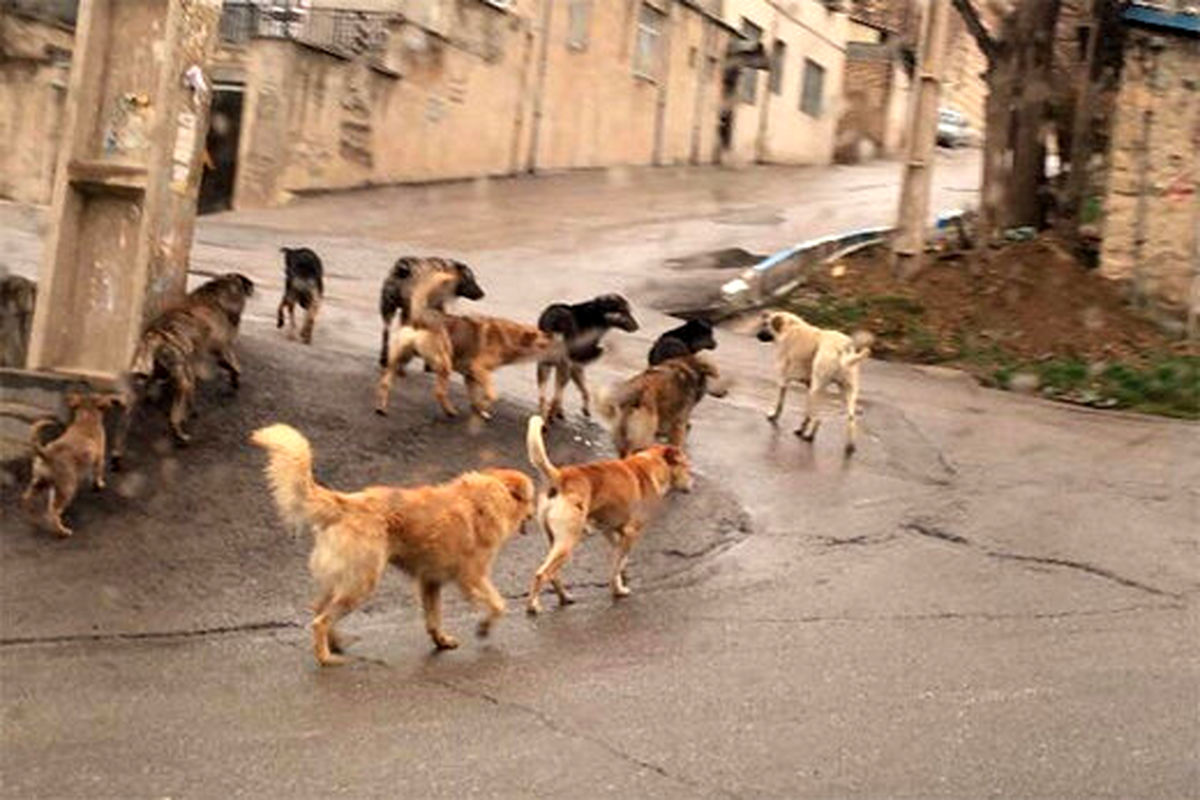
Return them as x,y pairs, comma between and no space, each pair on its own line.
963,86
1156,146
34,67
774,129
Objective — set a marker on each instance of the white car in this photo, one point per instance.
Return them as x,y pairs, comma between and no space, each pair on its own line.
952,128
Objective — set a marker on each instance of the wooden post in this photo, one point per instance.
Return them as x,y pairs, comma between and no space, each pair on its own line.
1081,129
124,201
909,246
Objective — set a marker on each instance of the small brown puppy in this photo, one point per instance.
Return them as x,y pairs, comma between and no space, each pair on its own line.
203,325
437,534
612,496
659,402
471,345
62,465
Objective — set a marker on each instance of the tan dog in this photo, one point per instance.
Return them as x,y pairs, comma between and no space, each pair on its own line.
204,325
62,465
437,534
472,346
658,402
815,357
614,497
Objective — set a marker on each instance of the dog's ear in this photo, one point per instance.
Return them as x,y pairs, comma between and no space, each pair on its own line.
520,487
402,268
110,400
673,455
776,322
74,400
246,283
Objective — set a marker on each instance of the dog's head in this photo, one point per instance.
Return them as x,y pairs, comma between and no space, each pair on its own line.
239,283
711,377
467,286
616,311
771,325
678,466
99,403
698,334
522,491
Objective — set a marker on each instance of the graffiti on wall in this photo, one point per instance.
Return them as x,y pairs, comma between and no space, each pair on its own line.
354,141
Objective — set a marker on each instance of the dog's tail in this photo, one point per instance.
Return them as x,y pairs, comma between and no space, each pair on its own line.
427,286
35,436
861,342
301,501
535,443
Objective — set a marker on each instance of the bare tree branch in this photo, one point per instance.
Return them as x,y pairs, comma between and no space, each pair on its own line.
987,44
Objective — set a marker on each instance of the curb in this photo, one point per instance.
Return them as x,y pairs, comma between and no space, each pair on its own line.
779,273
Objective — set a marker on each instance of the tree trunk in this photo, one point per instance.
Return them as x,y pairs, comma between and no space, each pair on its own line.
1033,49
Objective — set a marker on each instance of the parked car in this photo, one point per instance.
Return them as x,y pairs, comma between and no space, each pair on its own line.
952,128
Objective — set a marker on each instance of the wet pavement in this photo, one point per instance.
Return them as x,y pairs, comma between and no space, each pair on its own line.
995,596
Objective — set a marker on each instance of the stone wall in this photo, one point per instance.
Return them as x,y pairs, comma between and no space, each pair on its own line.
1154,170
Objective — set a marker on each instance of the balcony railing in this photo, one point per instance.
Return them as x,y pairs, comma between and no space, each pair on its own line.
344,33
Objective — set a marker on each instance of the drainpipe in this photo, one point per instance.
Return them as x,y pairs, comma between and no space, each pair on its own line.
514,158
663,80
540,86
701,73
760,142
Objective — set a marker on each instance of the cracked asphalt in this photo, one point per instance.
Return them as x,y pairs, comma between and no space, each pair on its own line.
995,597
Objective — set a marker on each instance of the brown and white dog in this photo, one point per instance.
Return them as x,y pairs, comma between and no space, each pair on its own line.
470,345
304,286
614,497
658,402
815,357
61,466
437,534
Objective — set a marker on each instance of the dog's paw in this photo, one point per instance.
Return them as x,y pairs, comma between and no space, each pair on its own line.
773,418
483,628
566,600
381,411
620,591
63,531
533,608
484,414
850,448
332,660
444,641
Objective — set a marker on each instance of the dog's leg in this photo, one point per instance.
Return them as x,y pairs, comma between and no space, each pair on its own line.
482,591
55,506
565,524
279,311
98,470
562,374
227,360
580,383
773,417
322,626
184,389
383,350
678,433
543,378
431,601
310,319
623,543
480,390
851,410
824,367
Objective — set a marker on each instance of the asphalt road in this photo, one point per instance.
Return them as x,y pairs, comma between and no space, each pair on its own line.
995,597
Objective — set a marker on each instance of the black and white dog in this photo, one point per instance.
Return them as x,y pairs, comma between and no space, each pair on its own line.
688,339
304,285
396,294
581,326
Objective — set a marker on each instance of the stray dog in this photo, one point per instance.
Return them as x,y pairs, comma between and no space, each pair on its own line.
611,496
472,346
396,294
581,326
659,401
437,534
815,357
686,340
204,324
304,285
63,464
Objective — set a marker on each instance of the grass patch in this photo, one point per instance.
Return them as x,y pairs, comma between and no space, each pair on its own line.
1166,385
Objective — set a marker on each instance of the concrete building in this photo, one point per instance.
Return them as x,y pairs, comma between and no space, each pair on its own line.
788,112
1151,221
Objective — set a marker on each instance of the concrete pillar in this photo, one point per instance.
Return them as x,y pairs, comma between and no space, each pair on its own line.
124,201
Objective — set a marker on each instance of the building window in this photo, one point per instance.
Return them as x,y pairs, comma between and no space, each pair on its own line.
579,15
778,62
647,56
812,94
748,80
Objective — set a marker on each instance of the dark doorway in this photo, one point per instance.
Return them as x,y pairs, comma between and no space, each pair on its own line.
221,149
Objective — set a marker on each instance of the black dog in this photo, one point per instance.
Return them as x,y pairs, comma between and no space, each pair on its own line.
304,285
688,339
581,326
396,294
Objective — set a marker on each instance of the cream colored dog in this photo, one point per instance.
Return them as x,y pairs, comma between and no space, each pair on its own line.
815,357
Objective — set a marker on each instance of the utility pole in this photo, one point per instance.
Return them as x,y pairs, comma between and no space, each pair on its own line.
124,202
908,249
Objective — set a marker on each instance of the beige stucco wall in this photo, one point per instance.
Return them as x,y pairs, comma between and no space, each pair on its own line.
787,135
32,98
1167,84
